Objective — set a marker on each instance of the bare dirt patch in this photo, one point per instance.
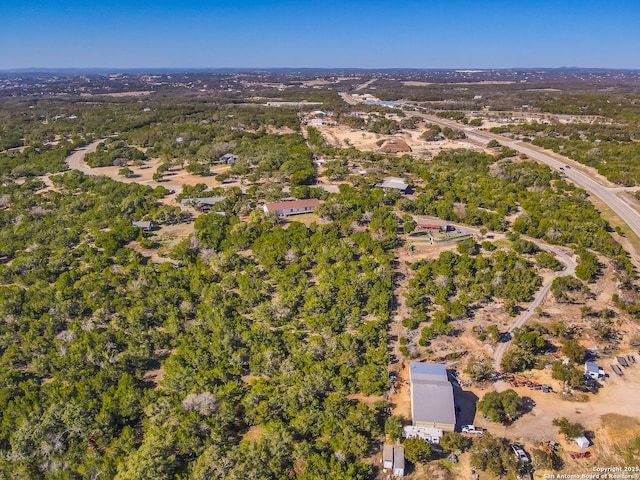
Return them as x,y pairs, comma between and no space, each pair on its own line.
366,399
432,471
342,135
254,433
168,236
142,93
154,376
305,218
400,401
416,84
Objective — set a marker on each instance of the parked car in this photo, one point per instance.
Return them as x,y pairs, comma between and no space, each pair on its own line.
586,454
472,429
520,453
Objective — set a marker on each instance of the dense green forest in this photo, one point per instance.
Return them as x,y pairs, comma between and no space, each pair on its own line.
272,340
257,348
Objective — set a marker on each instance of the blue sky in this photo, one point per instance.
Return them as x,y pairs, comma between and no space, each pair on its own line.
359,34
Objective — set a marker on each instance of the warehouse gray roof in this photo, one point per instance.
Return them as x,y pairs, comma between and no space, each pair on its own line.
432,393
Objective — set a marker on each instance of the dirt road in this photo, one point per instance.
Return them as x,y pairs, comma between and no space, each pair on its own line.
75,161
570,268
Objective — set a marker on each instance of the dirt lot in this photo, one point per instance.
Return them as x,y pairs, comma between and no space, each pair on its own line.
604,414
342,135
610,418
167,236
173,180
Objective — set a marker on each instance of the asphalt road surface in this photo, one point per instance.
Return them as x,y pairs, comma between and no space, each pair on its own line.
608,195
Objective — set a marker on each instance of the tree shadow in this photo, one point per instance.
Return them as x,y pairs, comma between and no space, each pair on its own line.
527,405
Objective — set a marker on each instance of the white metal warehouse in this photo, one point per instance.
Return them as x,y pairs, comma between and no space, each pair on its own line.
432,402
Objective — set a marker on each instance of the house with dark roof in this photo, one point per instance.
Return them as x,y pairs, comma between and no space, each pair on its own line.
432,403
291,207
203,203
228,159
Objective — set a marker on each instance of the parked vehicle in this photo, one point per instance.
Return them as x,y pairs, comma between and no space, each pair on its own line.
472,429
520,453
580,454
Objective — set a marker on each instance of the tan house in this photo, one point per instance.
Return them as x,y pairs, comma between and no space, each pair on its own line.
292,207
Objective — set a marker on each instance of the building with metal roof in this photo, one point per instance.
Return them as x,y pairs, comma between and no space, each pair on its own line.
228,159
393,459
144,225
395,183
592,370
432,403
398,461
387,456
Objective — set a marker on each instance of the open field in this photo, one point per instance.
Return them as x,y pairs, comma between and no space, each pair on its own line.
342,135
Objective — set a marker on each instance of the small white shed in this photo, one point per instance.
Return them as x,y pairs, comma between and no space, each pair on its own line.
387,456
583,442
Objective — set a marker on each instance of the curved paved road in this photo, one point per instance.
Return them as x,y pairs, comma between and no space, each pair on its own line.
608,195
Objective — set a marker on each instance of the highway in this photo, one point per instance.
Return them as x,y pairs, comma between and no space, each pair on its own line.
608,195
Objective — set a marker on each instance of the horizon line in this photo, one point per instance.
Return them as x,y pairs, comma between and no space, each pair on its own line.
249,69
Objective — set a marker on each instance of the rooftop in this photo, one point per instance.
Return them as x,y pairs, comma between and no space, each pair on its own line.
201,200
310,202
398,457
591,367
395,182
142,224
431,394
